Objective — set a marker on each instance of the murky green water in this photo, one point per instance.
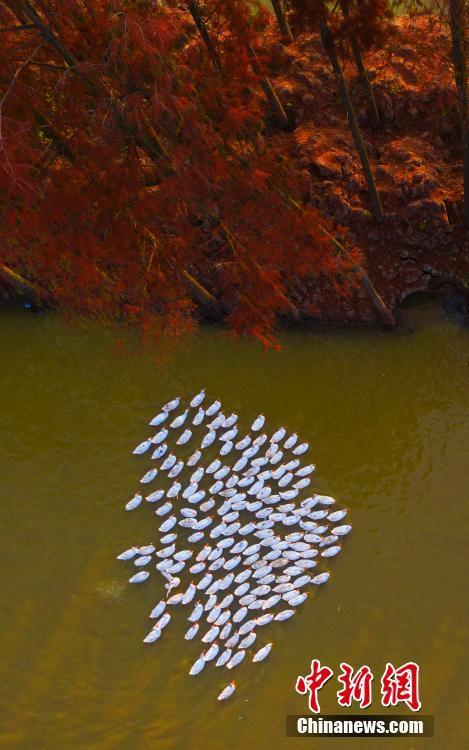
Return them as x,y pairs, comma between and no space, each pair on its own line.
387,418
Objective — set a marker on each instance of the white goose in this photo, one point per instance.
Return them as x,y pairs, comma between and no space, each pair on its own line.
142,448
226,692
179,421
254,498
159,419
194,459
197,400
134,503
159,451
160,436
208,439
213,408
199,417
169,462
171,405
184,438
258,423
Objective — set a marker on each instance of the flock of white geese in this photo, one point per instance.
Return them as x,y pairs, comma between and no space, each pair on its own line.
224,512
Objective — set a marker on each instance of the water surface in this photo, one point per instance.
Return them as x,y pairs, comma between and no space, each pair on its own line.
386,416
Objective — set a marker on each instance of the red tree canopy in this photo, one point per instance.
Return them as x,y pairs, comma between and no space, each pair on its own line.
136,178
369,21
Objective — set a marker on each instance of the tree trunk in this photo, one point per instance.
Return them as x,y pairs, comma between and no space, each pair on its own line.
270,93
194,10
329,47
206,301
373,115
50,132
385,315
22,286
458,25
284,26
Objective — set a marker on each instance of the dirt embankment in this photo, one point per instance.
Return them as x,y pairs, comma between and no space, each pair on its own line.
415,156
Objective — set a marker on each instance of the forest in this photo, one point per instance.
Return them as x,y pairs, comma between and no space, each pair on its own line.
166,163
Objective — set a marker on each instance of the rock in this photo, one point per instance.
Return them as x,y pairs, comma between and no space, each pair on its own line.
410,272
385,104
299,63
327,167
406,52
353,185
423,185
382,172
422,212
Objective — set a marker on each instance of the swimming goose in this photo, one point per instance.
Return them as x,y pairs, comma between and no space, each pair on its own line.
143,447
258,423
160,436
184,437
134,502
263,653
179,421
226,692
199,418
197,400
213,408
159,419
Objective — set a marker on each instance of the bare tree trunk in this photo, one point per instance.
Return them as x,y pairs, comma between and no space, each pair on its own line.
22,286
194,10
385,315
282,20
457,13
330,49
206,301
373,115
270,93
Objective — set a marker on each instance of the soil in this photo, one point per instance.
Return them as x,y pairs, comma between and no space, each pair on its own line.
415,156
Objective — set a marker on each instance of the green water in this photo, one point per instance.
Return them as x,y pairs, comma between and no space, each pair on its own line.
386,416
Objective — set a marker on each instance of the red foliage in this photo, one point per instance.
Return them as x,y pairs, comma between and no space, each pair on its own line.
369,21
140,163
